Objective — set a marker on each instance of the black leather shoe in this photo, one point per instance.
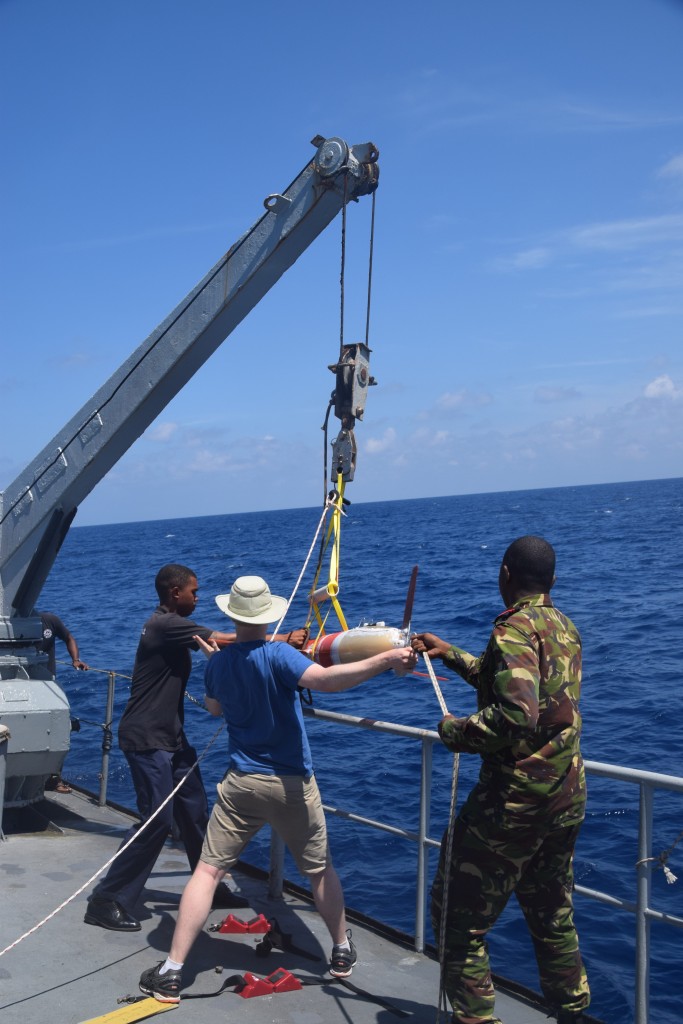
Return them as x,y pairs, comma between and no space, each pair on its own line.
110,914
225,899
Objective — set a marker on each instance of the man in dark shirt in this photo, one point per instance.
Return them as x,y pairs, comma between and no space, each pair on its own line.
52,629
153,740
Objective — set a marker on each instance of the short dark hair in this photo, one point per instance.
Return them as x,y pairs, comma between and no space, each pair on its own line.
531,564
170,576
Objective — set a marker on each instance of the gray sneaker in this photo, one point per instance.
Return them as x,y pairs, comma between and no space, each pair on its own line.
342,960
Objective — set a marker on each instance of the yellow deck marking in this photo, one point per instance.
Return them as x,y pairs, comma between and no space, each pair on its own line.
129,1014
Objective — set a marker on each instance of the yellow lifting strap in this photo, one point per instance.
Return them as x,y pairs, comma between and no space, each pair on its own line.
136,1011
331,589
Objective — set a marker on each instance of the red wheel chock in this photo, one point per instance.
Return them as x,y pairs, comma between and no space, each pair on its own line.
235,925
279,981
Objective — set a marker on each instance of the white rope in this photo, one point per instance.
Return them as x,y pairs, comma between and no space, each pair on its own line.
118,852
326,508
435,683
442,1004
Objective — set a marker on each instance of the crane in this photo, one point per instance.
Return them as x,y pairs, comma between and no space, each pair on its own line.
37,509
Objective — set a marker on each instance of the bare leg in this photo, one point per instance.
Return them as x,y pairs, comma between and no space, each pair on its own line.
329,902
195,907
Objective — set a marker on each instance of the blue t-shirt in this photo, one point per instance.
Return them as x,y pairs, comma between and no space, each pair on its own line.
256,685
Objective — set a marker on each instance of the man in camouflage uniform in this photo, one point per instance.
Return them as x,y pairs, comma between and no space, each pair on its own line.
517,830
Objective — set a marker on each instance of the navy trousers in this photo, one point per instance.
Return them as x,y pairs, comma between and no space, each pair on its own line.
155,774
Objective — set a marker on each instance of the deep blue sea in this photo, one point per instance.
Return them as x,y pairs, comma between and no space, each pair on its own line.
619,577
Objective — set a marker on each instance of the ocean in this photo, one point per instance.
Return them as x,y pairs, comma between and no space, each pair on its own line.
619,577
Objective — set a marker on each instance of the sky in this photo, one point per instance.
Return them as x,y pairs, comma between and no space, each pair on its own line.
527,300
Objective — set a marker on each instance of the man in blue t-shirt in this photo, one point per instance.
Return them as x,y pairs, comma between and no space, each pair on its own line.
270,780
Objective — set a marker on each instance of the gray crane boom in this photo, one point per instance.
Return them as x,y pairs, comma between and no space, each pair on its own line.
37,509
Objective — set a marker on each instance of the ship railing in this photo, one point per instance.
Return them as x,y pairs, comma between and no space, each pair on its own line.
105,726
648,783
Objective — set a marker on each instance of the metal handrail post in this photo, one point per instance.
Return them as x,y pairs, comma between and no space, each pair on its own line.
277,866
423,833
107,738
644,892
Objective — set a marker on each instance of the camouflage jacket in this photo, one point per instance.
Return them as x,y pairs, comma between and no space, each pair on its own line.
527,727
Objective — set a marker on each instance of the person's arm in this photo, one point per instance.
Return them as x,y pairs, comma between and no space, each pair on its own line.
221,639
336,678
466,665
296,638
513,712
429,643
72,648
213,706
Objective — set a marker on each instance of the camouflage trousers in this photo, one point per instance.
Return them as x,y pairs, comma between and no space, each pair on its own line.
491,860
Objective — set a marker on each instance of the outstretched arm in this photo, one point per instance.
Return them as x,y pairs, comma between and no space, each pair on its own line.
296,638
336,678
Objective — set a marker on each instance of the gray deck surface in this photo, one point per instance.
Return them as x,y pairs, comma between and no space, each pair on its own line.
69,972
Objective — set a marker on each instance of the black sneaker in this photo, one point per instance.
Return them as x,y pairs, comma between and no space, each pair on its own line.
164,987
342,960
565,1017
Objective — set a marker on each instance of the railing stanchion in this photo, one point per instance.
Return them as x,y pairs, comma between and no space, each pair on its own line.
644,892
423,832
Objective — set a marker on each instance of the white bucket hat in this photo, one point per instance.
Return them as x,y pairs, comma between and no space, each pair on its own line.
251,601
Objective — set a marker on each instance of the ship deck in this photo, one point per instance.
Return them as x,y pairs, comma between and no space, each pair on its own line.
68,972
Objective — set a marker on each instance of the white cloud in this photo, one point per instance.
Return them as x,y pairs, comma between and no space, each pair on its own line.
462,399
521,454
378,445
437,101
549,395
205,461
628,234
635,452
163,431
593,117
662,387
431,438
673,168
528,259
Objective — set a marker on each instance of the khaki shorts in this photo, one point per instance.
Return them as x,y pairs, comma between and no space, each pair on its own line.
290,804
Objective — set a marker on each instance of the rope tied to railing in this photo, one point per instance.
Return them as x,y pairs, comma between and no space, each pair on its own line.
661,860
